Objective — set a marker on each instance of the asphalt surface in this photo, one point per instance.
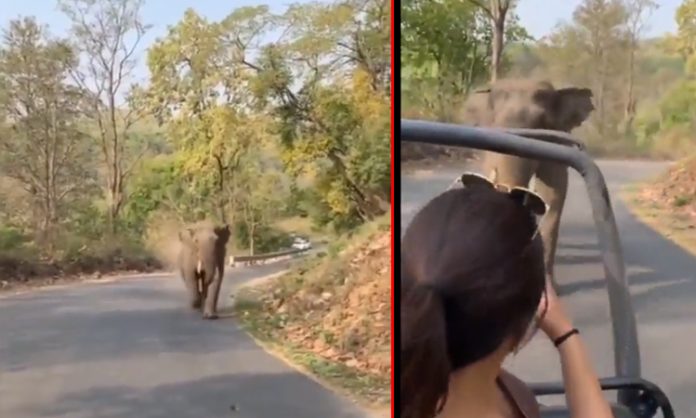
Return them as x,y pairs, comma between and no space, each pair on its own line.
131,349
662,277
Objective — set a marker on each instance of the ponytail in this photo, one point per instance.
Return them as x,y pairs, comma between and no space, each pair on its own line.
425,365
470,279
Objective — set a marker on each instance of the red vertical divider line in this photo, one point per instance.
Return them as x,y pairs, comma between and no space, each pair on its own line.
393,414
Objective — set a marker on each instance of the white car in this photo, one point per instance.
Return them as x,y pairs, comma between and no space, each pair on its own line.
301,244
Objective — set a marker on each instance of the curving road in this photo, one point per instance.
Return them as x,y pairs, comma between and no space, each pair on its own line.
662,278
129,349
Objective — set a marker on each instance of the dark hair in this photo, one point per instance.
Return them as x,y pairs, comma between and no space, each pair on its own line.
472,276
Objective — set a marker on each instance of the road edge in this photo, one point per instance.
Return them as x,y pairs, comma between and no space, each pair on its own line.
657,218
75,281
277,353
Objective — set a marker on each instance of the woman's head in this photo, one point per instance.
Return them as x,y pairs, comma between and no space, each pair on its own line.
472,276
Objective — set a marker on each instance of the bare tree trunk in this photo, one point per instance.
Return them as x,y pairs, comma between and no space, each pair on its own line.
498,43
252,244
630,110
250,225
601,104
638,11
469,82
496,10
442,104
107,33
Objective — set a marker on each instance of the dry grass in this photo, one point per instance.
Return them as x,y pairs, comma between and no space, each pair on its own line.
332,315
668,204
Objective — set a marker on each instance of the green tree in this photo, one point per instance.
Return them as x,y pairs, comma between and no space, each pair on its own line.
496,11
443,49
684,42
448,47
259,194
329,108
596,38
637,13
321,90
200,89
107,33
42,147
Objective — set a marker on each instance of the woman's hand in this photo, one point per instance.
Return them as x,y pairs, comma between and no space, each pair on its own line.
554,321
583,392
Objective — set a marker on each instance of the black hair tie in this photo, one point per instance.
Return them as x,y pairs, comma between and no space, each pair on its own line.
560,340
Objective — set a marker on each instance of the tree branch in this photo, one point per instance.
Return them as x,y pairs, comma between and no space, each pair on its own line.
483,7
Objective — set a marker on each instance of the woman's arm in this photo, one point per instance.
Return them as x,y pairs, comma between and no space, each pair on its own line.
583,392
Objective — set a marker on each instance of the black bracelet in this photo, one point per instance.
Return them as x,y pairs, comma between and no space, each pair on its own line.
558,341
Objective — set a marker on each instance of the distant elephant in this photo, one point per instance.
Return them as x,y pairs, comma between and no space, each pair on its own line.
202,265
537,105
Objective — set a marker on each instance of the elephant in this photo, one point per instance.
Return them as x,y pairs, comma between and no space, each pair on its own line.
533,104
202,264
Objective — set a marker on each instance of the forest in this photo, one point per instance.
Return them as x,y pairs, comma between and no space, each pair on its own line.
644,88
271,122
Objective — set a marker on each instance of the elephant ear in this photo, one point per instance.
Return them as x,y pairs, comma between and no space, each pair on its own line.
571,107
223,232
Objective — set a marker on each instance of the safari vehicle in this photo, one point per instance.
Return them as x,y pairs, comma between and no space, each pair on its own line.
635,396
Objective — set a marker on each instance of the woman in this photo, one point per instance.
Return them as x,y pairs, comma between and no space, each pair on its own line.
473,292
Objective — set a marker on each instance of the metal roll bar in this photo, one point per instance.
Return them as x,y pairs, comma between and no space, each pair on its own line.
561,148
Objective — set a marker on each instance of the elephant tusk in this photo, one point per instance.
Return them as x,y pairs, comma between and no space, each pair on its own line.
199,267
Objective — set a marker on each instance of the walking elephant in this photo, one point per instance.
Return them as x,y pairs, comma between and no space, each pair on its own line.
202,264
536,105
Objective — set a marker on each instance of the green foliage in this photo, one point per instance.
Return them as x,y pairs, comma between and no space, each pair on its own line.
446,33
85,219
229,126
327,129
684,41
164,184
156,184
296,202
11,238
667,128
42,147
266,238
445,52
339,114
678,106
668,125
641,87
105,35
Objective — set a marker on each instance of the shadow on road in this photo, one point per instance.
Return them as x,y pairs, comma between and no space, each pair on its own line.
224,396
577,246
567,259
665,270
72,331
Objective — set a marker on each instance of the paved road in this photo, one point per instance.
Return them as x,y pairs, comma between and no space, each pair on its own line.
129,349
662,278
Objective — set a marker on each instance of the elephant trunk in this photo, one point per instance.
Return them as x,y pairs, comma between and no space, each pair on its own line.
205,260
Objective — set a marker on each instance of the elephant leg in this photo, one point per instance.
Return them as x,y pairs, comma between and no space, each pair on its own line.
552,186
508,170
194,294
213,292
204,290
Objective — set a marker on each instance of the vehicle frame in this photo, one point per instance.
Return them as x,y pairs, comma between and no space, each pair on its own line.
636,397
